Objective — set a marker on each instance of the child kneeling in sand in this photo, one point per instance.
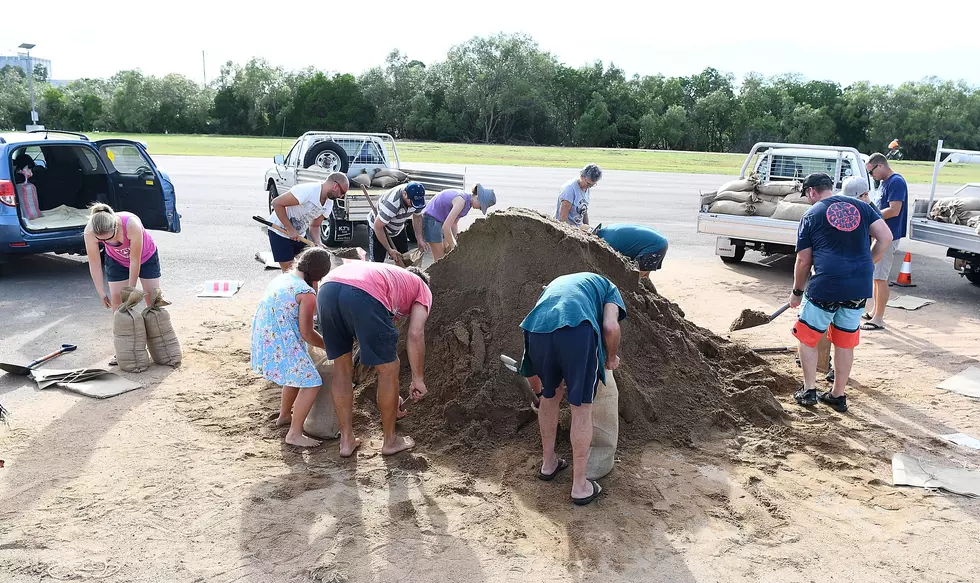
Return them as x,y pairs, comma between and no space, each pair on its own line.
282,326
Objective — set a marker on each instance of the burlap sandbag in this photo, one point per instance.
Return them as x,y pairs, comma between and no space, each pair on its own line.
605,429
384,182
730,207
796,198
739,185
767,198
732,195
161,340
129,333
762,208
788,211
778,187
362,179
396,174
322,421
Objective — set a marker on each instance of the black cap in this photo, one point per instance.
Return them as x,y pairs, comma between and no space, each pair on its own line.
820,181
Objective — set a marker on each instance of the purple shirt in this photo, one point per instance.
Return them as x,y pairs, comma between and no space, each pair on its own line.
441,205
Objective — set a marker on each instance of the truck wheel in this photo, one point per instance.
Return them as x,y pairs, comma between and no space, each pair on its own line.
739,255
273,193
328,232
329,156
973,277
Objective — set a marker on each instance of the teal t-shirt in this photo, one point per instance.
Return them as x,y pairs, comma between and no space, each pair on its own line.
570,300
633,240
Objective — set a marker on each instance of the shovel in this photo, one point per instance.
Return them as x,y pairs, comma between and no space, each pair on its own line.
23,371
759,321
279,229
511,364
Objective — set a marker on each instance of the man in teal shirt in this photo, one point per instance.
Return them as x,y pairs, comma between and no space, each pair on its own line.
645,245
572,335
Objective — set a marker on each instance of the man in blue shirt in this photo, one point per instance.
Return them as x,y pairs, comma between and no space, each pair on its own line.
572,335
645,245
893,203
833,239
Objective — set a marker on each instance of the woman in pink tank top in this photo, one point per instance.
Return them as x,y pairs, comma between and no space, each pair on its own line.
131,254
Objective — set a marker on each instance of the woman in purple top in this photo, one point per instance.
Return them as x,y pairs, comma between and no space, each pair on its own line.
440,221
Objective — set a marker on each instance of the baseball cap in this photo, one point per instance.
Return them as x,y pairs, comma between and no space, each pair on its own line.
854,186
416,194
818,180
487,197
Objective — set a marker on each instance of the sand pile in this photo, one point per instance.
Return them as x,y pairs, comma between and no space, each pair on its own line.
677,382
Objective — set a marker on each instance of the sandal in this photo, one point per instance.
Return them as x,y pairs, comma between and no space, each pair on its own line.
596,490
867,316
113,361
562,464
872,326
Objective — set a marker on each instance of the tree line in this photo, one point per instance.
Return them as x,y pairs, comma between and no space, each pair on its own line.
505,89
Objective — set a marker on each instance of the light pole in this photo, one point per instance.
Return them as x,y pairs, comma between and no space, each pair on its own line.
30,77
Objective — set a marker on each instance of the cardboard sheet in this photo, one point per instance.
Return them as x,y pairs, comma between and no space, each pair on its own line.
966,383
962,439
909,471
220,288
102,387
908,302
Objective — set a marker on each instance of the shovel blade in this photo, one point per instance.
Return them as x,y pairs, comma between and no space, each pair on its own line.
15,369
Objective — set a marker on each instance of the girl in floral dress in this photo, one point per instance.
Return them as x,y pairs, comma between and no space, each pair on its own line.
282,326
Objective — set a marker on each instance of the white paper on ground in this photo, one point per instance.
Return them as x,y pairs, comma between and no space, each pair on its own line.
221,288
265,257
908,302
965,383
103,387
909,471
963,439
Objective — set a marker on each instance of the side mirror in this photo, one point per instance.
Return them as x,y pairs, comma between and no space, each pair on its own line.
278,159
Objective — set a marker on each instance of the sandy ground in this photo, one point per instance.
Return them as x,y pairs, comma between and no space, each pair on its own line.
187,480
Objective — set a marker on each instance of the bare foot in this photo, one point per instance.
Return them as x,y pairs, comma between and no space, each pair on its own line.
301,440
347,451
398,445
284,421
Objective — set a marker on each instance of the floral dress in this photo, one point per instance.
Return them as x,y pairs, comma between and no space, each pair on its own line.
278,350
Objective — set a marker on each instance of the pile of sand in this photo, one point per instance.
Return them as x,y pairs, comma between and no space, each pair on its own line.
677,382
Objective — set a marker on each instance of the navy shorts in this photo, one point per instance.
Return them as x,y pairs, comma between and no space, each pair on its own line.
431,229
115,271
651,261
569,354
284,249
345,314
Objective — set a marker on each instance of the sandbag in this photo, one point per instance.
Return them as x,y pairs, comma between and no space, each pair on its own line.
396,174
748,196
605,429
778,188
730,207
788,211
767,198
762,208
796,198
739,185
322,420
161,340
362,179
129,333
385,182
966,203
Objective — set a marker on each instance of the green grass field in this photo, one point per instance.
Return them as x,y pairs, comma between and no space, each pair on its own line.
438,153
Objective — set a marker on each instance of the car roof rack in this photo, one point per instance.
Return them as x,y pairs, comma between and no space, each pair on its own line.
46,132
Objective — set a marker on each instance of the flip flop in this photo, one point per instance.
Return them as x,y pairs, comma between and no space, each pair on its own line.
562,464
871,326
867,316
596,490
113,362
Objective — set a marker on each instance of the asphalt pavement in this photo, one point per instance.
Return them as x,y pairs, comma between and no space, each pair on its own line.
46,300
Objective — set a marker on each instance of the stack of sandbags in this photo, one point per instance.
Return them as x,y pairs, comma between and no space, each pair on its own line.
161,340
957,210
362,179
745,197
129,333
388,177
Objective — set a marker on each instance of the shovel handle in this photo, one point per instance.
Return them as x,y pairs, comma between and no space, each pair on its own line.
279,229
64,348
779,311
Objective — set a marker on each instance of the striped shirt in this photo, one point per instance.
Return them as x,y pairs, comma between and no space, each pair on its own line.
394,212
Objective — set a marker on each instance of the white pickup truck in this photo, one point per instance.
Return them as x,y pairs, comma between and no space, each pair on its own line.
316,154
962,242
776,162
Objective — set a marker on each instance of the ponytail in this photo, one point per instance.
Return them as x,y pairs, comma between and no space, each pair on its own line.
102,219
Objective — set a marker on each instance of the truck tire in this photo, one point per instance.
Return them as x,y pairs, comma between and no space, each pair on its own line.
973,277
329,156
273,193
328,230
739,255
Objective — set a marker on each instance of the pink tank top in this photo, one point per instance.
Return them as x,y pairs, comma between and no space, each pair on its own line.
121,253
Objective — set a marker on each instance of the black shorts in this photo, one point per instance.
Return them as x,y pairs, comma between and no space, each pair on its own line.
569,354
345,314
115,271
377,252
651,261
284,249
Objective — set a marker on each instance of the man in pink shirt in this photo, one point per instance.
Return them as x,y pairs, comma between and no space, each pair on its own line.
361,300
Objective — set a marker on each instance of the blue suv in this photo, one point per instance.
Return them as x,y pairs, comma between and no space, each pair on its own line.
68,172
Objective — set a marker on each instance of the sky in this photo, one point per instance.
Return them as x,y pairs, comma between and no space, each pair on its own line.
836,41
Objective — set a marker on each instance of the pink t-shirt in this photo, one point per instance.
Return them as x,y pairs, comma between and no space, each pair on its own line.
393,286
121,253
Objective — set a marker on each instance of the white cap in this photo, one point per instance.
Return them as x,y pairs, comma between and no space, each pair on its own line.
854,186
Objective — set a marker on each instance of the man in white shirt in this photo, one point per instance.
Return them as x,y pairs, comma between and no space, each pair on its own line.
302,208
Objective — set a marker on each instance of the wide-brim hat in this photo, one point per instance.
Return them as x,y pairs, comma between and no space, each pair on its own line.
486,196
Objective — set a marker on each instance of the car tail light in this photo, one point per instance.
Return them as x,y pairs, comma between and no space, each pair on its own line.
8,195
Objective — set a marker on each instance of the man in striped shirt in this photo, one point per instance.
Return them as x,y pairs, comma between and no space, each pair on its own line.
388,227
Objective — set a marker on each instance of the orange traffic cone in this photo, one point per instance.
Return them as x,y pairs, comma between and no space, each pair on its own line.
905,275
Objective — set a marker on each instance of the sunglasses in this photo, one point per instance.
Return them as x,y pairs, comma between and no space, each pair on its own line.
871,170
109,238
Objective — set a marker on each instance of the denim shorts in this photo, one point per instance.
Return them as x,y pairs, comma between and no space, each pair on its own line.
345,314
431,229
115,271
284,249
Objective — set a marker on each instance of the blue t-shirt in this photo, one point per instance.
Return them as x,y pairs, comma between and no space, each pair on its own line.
579,199
633,240
838,229
570,300
895,188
